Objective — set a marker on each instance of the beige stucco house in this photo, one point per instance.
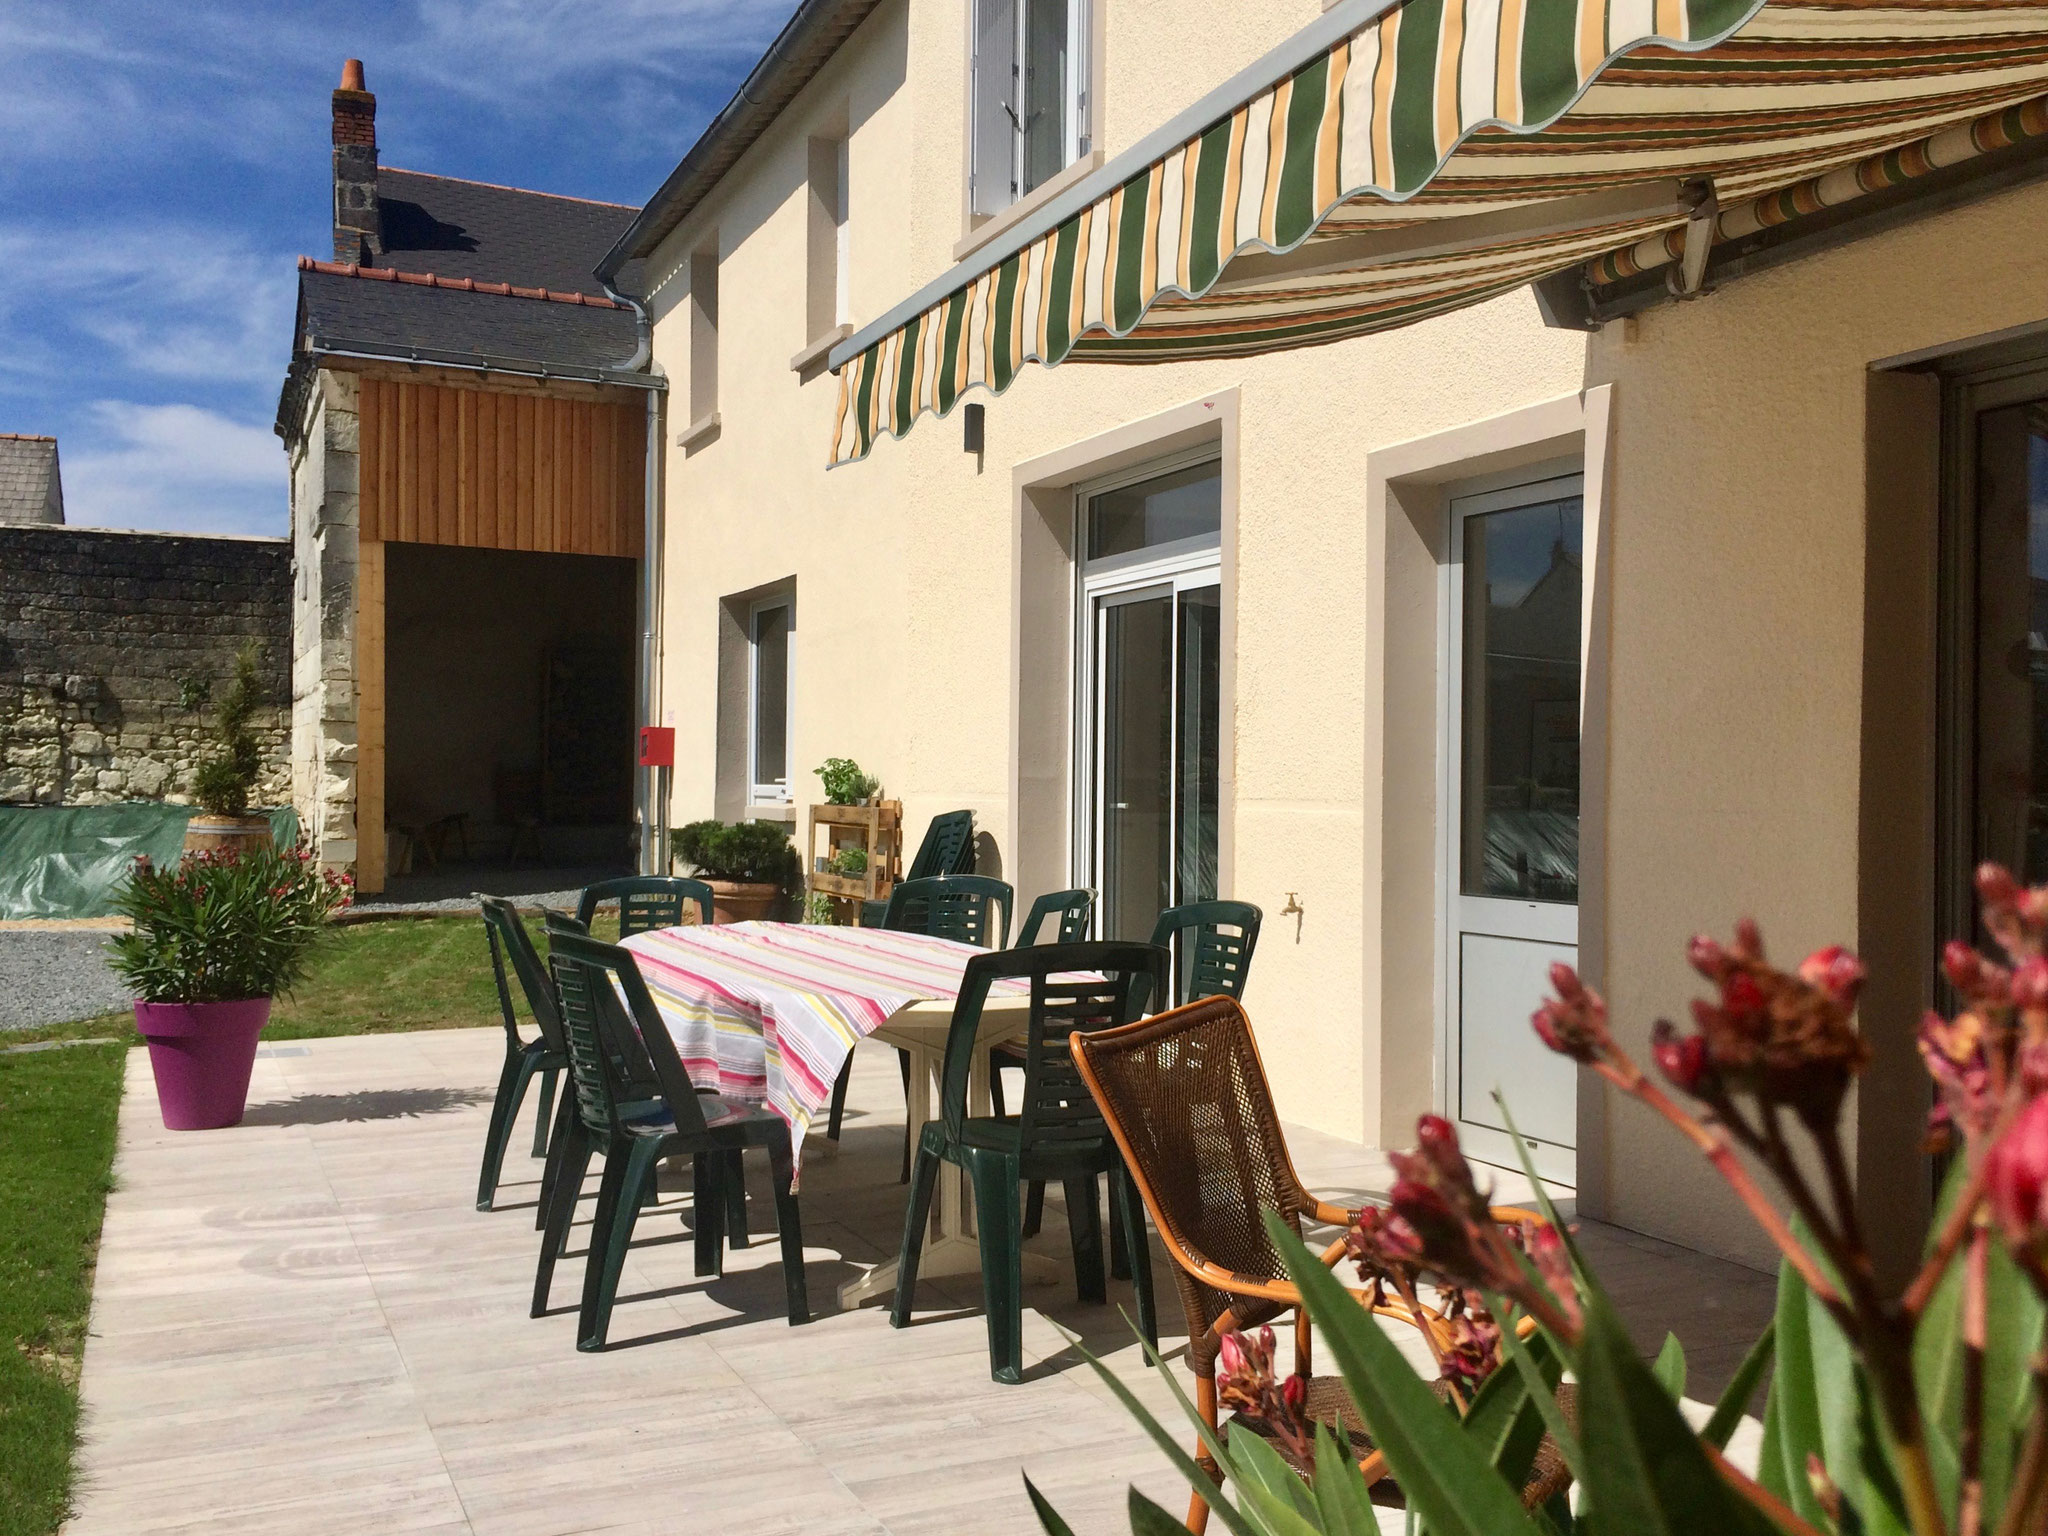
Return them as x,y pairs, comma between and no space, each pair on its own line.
1549,626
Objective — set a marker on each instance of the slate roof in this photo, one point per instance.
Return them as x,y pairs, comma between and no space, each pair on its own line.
457,228
31,490
465,234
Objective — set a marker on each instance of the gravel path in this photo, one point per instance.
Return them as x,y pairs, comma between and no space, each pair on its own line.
55,977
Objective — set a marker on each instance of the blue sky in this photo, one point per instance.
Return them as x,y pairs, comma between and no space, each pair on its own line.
162,166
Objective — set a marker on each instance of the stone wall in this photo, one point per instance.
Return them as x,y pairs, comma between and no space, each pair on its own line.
101,631
325,517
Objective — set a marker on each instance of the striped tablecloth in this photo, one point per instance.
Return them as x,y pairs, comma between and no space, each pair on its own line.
767,1012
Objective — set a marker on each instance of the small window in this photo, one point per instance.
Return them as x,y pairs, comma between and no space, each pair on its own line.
1030,96
828,299
703,333
769,631
1179,507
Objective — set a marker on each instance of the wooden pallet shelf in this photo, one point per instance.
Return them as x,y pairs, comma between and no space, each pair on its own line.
876,829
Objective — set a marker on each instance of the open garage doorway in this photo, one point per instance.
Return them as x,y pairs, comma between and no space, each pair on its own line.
508,688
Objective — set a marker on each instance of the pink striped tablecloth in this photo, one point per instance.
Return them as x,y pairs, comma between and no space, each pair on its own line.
767,1012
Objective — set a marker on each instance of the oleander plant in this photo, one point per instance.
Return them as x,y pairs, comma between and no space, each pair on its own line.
1916,1412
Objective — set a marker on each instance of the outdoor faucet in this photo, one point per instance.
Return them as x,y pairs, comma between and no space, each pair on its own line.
1295,909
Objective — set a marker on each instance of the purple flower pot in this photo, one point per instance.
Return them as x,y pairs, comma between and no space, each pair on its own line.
202,1054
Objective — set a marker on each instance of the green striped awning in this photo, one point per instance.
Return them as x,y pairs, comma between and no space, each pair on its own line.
1403,158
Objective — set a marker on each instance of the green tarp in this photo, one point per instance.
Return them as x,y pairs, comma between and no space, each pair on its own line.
68,860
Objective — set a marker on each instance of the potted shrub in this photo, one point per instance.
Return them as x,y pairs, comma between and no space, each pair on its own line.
215,938
751,867
845,784
228,773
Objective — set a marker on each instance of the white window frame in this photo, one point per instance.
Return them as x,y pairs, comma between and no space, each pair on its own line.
984,200
759,793
1170,568
842,238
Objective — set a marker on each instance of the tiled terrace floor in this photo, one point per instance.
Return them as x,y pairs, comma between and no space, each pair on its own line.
302,1325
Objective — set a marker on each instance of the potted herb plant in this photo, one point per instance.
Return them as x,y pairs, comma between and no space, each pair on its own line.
751,867
216,937
845,784
227,774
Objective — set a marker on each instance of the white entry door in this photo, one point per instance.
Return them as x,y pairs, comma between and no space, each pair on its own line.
1510,862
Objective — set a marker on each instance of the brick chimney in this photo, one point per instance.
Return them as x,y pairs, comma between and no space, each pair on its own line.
358,231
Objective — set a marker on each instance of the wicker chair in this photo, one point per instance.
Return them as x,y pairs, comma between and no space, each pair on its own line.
1186,1098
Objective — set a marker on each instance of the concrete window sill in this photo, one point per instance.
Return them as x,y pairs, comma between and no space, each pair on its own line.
699,432
1025,206
808,361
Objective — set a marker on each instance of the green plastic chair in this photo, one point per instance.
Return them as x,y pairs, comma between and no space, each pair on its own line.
645,901
614,1048
1074,909
1058,1134
947,849
1212,944
969,909
543,1056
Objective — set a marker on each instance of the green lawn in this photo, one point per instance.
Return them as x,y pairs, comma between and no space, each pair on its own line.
57,1111
57,1115
372,979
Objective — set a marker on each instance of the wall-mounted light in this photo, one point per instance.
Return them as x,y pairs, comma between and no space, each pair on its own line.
973,421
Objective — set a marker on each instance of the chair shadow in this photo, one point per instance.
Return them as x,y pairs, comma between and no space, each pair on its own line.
361,1108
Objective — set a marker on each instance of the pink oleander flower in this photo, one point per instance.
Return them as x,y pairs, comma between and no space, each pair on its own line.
1383,1245
2016,1180
1954,1053
1786,1037
1574,1022
1473,1351
1544,1245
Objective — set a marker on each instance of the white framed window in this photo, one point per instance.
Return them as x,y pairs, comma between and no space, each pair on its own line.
1029,93
771,633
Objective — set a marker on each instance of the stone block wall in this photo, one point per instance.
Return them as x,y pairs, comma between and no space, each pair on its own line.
324,449
99,633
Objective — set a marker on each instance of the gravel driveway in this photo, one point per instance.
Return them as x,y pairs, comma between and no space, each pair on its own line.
53,977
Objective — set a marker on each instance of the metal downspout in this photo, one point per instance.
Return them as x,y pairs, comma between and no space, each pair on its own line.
650,817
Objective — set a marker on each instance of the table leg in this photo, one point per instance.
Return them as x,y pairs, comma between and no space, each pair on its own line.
950,1247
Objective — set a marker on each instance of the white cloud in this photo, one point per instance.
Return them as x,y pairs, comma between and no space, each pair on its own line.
164,299
174,467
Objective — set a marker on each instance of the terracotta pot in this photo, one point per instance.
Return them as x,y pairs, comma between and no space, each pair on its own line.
201,1055
233,834
742,901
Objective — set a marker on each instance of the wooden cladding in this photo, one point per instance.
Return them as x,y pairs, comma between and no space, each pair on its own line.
442,465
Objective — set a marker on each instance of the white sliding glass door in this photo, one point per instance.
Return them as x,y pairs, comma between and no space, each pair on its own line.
1148,693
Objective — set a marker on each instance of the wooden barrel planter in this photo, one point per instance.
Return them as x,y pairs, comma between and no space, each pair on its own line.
226,834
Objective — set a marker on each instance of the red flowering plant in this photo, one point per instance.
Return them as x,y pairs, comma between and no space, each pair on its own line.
224,925
1920,1413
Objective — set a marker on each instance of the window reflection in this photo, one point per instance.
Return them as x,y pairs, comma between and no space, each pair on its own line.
1520,702
2012,638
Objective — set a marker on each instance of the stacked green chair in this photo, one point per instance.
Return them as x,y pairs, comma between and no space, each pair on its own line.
969,909
544,1056
947,849
1073,910
1058,1132
646,901
617,1049
1212,944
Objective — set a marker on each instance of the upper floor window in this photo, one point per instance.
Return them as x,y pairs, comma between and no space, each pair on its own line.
704,332
828,300
1029,96
769,631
